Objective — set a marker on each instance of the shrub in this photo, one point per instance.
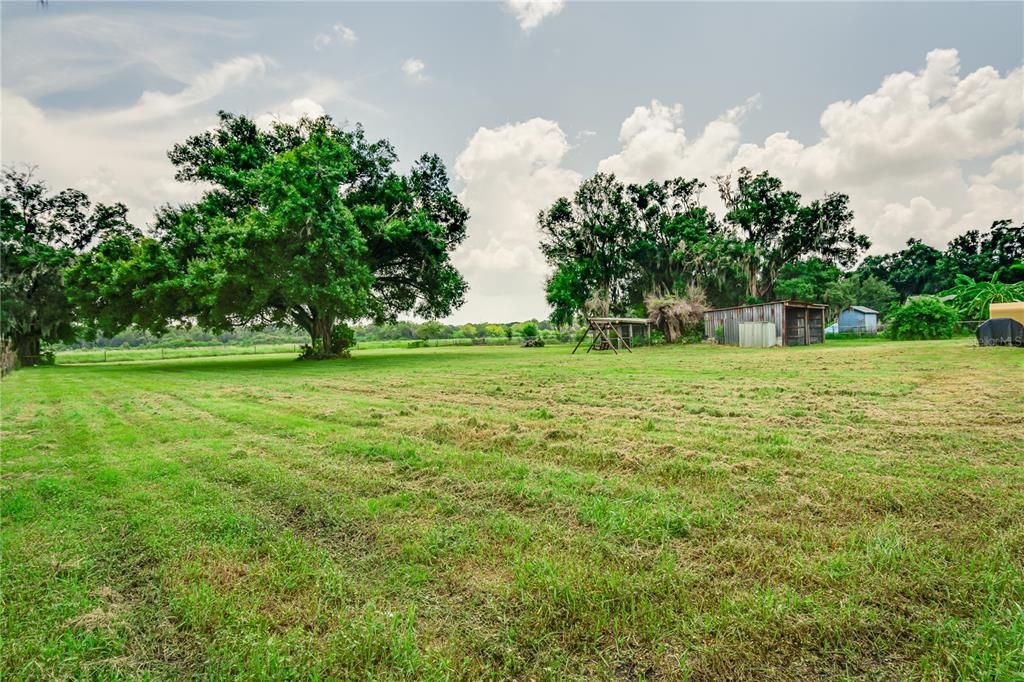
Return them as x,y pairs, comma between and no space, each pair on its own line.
529,330
678,318
344,338
923,318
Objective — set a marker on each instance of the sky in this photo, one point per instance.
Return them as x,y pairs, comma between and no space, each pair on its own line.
915,110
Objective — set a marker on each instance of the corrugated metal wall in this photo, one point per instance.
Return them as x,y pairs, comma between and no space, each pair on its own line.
763,312
805,324
757,335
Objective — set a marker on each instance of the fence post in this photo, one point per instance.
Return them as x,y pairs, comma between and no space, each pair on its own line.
104,355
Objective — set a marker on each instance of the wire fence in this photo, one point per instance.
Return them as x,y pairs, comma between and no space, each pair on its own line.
100,355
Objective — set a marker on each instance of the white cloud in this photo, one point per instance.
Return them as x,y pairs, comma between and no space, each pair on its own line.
655,145
413,68
339,32
291,112
898,151
205,86
510,173
121,154
530,13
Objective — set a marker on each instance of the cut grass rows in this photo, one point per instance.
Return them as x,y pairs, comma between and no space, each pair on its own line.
848,511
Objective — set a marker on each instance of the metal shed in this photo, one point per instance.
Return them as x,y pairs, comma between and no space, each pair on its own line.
858,319
797,323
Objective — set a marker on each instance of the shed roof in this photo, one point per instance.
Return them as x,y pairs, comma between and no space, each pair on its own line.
792,303
863,309
621,320
945,299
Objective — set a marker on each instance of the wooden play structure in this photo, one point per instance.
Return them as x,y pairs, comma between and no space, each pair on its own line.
615,333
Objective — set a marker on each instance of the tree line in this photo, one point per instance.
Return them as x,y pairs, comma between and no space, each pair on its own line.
311,225
403,330
637,249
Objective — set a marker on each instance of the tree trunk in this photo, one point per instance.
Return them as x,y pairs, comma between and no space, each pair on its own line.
27,348
752,289
323,335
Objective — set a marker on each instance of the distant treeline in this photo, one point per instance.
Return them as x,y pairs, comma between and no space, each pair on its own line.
244,336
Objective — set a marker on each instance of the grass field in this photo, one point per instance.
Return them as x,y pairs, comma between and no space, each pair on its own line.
852,511
93,355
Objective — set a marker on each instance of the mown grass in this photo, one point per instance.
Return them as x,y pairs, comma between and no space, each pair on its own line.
93,355
852,511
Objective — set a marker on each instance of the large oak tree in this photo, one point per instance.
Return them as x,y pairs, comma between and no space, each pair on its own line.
309,224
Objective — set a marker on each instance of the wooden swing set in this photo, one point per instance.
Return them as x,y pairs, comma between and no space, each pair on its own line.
613,333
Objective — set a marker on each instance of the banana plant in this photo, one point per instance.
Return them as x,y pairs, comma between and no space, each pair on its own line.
973,298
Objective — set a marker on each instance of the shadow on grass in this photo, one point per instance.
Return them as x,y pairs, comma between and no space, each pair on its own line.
288,362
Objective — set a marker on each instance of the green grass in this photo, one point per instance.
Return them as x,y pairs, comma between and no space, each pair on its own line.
851,511
93,355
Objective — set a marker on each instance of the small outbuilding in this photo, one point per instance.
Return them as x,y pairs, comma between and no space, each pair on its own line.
794,323
858,319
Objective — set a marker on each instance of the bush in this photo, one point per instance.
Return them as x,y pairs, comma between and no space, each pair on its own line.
343,338
923,318
678,318
692,332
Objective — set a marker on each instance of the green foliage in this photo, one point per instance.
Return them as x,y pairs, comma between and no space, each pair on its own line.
806,280
624,241
917,269
923,318
634,240
774,228
997,254
41,234
431,329
529,330
973,298
305,224
342,340
867,291
994,255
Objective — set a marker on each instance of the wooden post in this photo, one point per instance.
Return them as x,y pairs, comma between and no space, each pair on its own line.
589,327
